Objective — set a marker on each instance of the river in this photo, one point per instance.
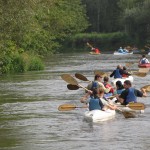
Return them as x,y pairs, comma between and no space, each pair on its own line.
30,120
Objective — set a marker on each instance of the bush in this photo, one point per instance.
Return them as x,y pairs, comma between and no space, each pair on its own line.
35,64
104,41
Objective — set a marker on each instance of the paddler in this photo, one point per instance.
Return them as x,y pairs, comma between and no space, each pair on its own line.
130,94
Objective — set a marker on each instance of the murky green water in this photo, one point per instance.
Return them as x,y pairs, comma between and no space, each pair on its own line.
30,120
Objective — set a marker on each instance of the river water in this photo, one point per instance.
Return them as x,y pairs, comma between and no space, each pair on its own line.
30,120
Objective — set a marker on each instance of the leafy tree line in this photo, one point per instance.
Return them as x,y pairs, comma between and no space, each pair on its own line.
33,28
127,16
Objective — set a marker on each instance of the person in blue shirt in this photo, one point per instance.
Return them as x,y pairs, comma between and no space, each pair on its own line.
130,94
117,73
97,101
120,50
119,88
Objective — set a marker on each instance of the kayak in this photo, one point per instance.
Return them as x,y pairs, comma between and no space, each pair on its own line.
144,65
123,53
130,112
99,115
93,53
138,51
130,78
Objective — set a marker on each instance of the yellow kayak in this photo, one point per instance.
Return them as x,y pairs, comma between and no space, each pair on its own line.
93,53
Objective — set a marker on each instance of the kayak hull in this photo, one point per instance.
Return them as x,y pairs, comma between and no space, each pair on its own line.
130,78
93,53
144,65
124,53
99,115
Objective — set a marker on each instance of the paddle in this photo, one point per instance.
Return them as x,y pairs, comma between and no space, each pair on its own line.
139,74
103,74
81,77
144,70
88,44
69,79
129,64
146,87
136,106
72,87
67,107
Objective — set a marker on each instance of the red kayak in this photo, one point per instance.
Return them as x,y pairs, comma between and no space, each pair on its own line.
144,65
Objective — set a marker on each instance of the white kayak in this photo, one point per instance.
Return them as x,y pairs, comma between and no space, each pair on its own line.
123,53
99,115
130,78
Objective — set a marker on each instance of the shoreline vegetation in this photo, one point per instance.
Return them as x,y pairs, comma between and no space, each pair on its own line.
31,30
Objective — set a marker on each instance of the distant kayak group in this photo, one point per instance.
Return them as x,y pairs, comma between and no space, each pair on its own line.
121,51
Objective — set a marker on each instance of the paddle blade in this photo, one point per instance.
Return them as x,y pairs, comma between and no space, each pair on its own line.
129,114
69,79
146,87
129,64
81,77
103,74
136,106
66,107
144,70
140,74
72,87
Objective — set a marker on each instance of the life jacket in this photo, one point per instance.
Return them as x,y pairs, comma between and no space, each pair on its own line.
117,74
124,75
95,103
131,96
120,91
93,87
97,50
143,61
107,85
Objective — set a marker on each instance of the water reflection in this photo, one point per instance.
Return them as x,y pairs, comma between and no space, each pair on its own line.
29,118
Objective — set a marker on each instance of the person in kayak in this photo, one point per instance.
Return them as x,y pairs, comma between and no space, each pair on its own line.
120,50
108,86
97,83
130,94
119,88
144,60
117,73
97,101
125,73
95,50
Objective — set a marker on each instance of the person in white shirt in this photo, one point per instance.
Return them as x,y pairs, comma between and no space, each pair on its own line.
144,60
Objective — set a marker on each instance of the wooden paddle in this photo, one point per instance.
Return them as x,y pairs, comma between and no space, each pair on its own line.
144,70
72,87
136,106
146,87
103,74
71,80
68,107
81,77
129,64
139,74
88,44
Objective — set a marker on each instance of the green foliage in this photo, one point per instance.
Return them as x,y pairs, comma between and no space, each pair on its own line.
35,64
36,27
135,17
104,41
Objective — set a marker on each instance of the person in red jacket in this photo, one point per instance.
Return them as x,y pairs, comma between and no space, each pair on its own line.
107,85
95,50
